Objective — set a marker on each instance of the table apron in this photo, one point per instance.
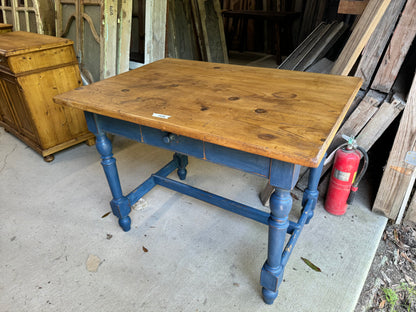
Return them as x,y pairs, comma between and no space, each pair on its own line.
281,174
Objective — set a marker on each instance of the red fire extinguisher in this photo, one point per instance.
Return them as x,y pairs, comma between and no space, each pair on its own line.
344,179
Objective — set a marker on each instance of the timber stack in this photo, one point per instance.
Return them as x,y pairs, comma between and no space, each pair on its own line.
381,51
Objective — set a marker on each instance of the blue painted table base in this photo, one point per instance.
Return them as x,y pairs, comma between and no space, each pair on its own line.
280,201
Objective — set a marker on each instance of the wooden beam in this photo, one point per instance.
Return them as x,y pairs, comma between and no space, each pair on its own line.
375,47
357,121
124,34
354,7
381,120
213,30
396,52
411,211
108,39
398,173
155,30
360,36
182,41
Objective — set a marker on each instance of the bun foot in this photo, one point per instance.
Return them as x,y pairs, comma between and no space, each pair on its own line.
48,158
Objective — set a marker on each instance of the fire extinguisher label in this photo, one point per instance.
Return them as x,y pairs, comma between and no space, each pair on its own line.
341,175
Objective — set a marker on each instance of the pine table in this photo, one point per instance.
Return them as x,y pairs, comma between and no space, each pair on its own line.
263,121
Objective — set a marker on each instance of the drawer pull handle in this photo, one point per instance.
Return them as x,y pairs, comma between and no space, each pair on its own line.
169,138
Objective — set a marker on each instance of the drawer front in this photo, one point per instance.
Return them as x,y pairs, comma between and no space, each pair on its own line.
172,142
232,158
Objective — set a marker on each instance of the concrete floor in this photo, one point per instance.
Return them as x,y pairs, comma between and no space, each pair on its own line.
180,255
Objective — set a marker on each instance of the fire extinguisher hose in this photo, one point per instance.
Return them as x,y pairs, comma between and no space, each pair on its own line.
354,186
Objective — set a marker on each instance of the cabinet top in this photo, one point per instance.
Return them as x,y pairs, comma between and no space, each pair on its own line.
20,42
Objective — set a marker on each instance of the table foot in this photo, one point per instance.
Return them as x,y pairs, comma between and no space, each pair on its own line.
182,163
272,271
49,158
125,223
269,296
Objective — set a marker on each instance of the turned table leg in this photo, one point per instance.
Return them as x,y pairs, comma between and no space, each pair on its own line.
311,192
272,271
119,204
182,163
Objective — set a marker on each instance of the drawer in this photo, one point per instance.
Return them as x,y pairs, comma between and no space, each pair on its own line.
251,163
172,142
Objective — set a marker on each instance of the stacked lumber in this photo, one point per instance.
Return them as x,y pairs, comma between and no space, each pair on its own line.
195,31
378,50
382,59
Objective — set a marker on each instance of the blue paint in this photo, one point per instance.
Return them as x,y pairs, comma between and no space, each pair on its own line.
283,176
119,204
213,199
311,193
147,185
179,143
116,126
247,162
182,161
272,271
295,235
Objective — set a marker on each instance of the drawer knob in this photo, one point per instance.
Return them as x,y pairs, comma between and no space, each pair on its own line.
169,138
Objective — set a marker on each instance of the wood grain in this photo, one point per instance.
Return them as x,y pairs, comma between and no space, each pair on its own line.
212,28
411,210
29,81
124,34
397,174
20,42
375,47
354,7
360,36
5,27
356,122
286,115
155,30
381,120
396,52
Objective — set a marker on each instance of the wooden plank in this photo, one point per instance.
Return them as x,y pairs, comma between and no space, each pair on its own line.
283,115
124,34
379,123
411,210
155,30
358,119
304,172
322,66
360,36
181,36
325,42
396,52
301,51
213,30
375,47
354,7
397,174
108,39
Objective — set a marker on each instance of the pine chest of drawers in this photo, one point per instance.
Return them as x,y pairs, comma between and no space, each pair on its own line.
33,69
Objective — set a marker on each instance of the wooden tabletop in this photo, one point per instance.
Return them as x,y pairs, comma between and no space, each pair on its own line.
286,115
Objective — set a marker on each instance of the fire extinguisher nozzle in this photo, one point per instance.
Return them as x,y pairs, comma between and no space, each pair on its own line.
351,197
